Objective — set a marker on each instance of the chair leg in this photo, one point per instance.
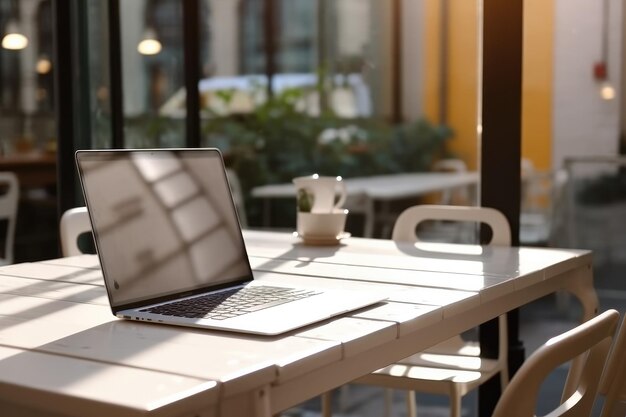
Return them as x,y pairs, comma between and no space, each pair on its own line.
455,405
327,404
344,397
455,401
613,409
504,378
410,404
388,401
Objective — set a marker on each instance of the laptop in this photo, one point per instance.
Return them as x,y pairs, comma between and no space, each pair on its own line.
171,249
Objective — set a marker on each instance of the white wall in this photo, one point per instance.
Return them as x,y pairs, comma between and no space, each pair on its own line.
224,25
584,123
28,58
412,58
133,72
353,30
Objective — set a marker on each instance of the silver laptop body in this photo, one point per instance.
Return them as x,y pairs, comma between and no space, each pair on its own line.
169,241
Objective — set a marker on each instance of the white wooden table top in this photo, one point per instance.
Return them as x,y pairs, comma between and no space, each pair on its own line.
58,338
384,187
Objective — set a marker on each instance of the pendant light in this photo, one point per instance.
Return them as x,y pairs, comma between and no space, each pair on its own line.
149,44
14,39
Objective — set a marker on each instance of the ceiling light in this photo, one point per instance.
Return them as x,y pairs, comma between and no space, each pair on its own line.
607,91
43,65
149,45
14,39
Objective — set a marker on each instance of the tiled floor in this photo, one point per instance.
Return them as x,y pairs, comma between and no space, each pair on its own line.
539,321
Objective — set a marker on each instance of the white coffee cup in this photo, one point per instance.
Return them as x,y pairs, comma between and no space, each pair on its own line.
316,194
321,225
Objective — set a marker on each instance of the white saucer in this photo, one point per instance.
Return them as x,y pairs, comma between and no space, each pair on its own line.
322,240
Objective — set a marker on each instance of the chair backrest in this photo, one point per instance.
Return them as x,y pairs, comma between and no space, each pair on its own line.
404,229
613,385
74,222
592,339
457,195
8,212
450,165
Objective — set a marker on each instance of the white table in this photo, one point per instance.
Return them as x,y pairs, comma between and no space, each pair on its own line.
363,192
62,353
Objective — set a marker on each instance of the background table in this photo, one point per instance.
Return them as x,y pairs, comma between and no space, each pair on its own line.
62,353
33,170
364,192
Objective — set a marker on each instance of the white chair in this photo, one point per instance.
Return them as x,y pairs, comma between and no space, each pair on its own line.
453,367
457,196
590,342
542,218
74,222
8,212
613,385
405,227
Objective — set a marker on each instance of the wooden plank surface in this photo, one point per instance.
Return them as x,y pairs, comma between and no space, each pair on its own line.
422,256
55,272
54,290
77,387
56,312
383,187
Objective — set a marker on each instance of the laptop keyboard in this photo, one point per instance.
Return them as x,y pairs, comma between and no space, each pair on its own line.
231,303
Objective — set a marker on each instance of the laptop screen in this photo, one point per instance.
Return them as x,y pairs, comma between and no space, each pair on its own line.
164,222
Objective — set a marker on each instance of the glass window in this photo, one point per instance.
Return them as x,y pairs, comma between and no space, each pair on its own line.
28,136
251,34
26,78
296,36
9,63
95,52
45,71
573,176
152,72
350,87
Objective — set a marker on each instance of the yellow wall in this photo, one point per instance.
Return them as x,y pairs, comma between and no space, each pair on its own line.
462,97
537,82
432,51
462,100
463,79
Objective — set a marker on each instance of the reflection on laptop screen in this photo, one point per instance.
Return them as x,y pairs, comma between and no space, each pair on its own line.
164,222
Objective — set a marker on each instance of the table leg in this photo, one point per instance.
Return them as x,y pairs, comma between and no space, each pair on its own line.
368,228
262,402
267,207
253,403
580,284
489,392
384,218
327,404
